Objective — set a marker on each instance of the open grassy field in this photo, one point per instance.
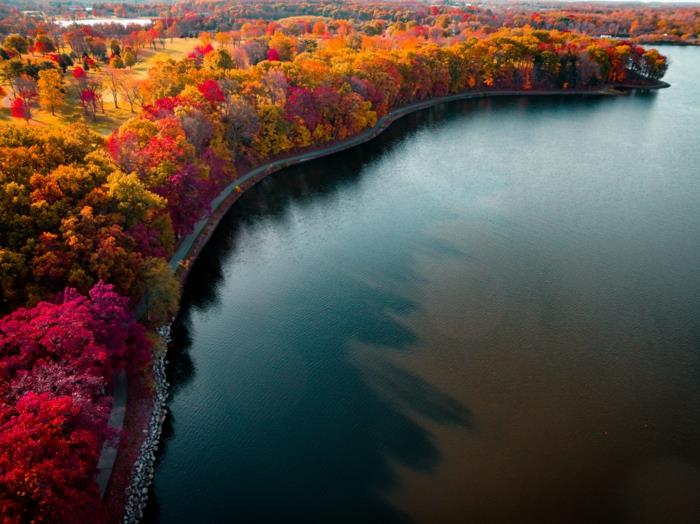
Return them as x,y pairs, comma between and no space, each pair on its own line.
112,118
176,49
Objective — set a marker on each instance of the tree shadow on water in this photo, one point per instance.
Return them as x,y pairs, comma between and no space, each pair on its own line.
303,433
328,456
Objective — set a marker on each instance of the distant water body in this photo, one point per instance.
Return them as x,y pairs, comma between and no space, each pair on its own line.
99,21
490,314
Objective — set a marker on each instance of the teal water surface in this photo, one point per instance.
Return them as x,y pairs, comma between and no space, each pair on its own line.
488,314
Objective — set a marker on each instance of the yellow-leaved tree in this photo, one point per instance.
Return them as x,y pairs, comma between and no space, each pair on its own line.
51,90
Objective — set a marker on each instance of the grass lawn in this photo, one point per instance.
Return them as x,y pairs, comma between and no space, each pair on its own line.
176,49
113,117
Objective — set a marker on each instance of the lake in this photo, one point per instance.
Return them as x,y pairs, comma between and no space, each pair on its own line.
489,314
103,21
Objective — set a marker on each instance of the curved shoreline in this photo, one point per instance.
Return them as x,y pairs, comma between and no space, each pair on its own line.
190,247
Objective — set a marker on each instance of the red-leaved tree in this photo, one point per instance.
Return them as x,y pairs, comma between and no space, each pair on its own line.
211,90
273,55
47,462
57,361
20,109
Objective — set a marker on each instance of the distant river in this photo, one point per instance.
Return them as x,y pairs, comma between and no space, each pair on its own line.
490,314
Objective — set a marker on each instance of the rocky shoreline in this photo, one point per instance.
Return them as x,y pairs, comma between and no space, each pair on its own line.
143,469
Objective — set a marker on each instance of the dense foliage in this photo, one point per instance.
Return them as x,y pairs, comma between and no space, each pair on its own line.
56,365
70,217
644,23
73,215
204,113
104,54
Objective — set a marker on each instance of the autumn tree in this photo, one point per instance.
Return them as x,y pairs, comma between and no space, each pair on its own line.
223,38
17,43
51,89
26,87
162,291
112,78
56,363
43,44
47,463
320,28
129,58
10,70
116,62
219,59
115,47
284,45
20,108
205,37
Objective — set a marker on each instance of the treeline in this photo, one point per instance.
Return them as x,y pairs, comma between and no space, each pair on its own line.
41,49
279,92
77,212
641,23
203,114
74,213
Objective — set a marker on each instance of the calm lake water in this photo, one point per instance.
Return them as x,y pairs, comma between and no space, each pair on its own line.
490,314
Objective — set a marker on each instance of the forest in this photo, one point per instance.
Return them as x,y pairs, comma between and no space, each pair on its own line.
642,23
88,222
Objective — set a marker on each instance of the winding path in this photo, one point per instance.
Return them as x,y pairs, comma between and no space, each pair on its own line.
110,447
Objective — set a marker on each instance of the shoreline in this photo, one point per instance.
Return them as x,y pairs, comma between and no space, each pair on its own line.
694,43
189,248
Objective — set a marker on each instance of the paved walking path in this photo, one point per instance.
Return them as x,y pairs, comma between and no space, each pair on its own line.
116,423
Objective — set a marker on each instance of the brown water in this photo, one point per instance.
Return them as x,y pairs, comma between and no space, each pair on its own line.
489,314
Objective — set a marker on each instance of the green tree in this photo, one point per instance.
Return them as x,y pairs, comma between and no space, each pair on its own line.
131,198
129,58
219,59
10,71
17,43
116,62
115,47
162,291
